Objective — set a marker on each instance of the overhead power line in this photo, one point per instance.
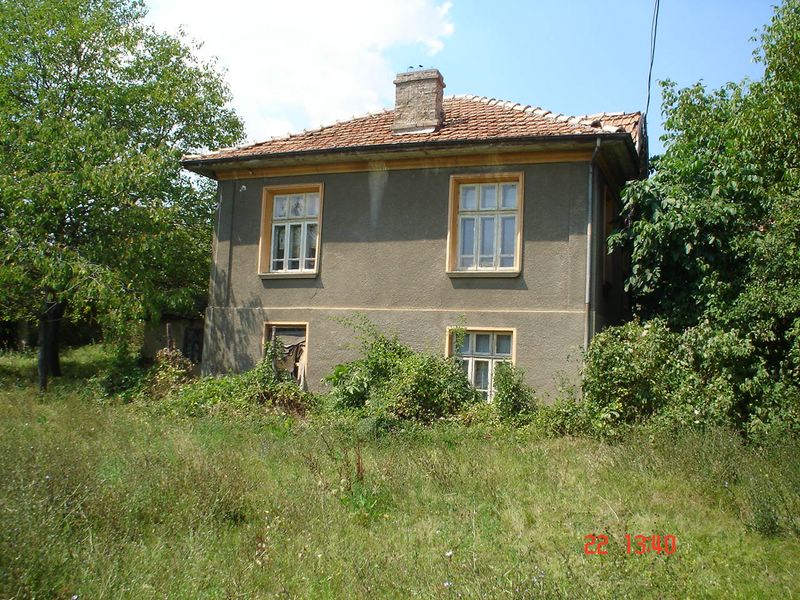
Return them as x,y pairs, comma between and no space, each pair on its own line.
653,35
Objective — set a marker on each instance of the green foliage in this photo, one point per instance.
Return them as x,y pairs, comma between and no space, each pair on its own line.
714,238
108,500
630,372
170,388
391,379
423,387
96,108
123,374
170,371
700,377
512,396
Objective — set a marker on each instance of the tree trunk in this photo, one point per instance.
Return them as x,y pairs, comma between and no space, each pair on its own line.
44,344
56,313
49,329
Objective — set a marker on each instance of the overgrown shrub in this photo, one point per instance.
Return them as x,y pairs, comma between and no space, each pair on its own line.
630,371
353,382
391,379
700,377
422,387
123,373
171,370
512,396
170,388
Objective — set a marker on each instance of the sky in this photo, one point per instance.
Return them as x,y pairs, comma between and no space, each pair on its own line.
305,63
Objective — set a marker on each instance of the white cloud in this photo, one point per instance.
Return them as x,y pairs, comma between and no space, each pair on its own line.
304,63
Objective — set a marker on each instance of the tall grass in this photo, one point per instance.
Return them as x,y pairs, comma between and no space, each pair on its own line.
105,501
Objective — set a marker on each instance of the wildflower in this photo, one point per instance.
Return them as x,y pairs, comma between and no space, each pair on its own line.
447,584
449,553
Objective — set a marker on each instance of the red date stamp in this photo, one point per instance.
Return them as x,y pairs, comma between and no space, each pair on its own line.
634,544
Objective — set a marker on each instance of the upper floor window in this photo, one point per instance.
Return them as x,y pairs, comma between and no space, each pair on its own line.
485,232
290,230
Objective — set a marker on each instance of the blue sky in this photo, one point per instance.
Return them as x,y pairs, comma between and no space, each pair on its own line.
581,56
310,62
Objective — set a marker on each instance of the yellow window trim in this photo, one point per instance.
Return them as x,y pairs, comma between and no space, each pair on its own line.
265,239
452,223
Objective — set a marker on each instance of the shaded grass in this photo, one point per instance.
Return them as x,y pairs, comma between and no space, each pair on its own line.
112,502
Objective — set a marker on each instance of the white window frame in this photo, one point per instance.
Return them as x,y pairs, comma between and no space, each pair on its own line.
458,214
273,220
472,355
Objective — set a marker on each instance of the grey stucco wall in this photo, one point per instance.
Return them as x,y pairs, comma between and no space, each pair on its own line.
383,253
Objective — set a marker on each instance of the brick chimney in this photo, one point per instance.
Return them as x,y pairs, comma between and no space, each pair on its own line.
418,101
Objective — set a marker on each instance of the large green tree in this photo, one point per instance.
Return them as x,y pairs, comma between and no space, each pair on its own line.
96,108
714,233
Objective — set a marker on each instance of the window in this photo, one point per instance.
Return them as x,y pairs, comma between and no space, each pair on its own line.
295,339
485,233
290,231
479,352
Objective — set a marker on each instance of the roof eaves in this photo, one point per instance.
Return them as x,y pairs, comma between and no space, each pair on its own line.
399,148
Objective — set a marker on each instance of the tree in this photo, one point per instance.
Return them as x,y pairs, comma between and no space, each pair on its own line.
95,214
714,233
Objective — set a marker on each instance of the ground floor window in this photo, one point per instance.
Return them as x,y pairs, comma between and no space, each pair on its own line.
478,352
294,337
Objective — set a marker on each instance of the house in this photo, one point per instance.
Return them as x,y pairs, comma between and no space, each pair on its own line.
440,213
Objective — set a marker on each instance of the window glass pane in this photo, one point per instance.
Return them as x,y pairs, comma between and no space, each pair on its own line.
278,247
506,262
310,253
487,242
480,374
295,234
467,239
312,204
483,343
488,196
279,209
508,195
508,233
503,344
296,205
468,197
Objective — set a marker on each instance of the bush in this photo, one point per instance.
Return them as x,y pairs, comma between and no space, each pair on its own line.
393,380
353,382
423,387
170,371
122,375
169,384
630,371
700,377
512,396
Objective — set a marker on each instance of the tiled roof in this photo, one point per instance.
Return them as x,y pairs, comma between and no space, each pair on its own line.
467,118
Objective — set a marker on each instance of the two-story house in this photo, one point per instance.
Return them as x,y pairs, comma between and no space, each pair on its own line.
443,212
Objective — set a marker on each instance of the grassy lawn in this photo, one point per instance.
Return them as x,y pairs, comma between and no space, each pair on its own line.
108,501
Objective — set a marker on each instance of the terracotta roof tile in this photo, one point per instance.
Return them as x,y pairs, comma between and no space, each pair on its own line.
467,118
